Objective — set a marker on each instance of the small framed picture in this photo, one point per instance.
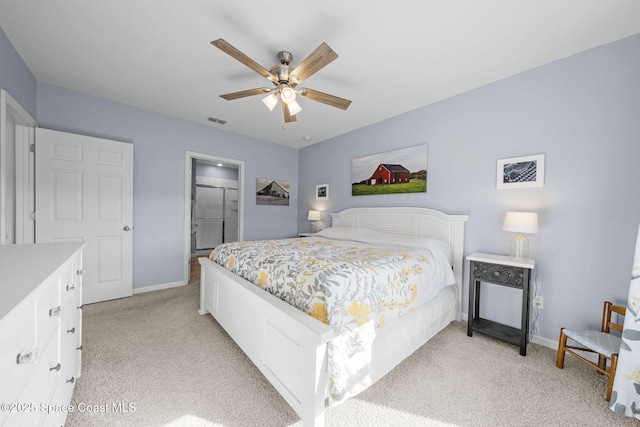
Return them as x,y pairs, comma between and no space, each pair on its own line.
322,192
520,172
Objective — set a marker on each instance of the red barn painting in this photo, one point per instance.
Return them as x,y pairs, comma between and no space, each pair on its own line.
389,174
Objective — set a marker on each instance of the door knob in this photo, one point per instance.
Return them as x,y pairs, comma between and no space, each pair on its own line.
126,228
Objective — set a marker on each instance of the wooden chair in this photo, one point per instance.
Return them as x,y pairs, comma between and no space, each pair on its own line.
603,343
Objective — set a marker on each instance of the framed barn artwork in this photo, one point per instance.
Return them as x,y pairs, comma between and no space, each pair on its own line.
520,172
392,172
272,192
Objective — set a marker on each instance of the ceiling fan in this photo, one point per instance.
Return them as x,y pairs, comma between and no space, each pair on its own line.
285,79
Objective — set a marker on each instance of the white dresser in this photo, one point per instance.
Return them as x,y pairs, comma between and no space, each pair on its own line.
40,332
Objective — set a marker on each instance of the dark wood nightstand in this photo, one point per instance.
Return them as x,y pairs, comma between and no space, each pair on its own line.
504,271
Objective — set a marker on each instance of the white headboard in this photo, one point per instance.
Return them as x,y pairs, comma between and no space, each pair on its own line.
412,221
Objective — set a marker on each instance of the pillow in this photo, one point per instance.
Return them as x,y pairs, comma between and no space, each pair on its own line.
414,242
374,237
348,233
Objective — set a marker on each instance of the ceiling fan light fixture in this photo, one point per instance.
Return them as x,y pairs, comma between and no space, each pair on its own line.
270,101
288,95
285,79
294,108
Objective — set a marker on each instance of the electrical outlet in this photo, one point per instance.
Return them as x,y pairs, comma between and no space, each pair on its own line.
538,302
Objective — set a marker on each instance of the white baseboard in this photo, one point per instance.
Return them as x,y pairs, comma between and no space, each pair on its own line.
158,287
546,342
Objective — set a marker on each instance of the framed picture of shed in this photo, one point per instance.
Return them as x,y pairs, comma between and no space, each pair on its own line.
322,192
272,192
392,172
520,172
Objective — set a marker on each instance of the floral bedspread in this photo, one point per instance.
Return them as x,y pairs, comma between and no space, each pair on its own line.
353,287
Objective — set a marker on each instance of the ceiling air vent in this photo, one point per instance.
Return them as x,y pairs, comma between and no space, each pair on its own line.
215,120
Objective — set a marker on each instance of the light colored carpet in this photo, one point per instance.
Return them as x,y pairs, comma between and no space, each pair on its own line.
155,356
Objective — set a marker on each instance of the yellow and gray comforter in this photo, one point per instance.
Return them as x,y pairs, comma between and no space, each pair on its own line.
352,286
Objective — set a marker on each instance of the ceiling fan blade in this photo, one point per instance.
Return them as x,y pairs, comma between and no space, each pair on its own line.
236,54
319,58
244,93
325,98
288,118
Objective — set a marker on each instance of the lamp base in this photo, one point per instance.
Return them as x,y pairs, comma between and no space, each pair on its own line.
519,246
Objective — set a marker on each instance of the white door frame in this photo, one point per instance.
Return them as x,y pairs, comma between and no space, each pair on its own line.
9,106
189,157
25,184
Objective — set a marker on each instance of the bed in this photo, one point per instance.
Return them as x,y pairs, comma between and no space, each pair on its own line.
293,349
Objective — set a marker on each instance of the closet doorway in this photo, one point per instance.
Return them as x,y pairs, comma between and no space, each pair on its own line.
213,206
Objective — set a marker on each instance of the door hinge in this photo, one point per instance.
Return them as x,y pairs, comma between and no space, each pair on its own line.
32,148
32,216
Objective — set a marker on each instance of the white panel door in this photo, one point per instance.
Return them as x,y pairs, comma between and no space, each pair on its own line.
84,192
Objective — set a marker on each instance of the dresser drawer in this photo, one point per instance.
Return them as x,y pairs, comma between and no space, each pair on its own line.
71,282
38,389
18,335
49,311
21,415
70,341
60,399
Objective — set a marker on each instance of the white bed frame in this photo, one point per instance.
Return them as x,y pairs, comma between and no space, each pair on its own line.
289,346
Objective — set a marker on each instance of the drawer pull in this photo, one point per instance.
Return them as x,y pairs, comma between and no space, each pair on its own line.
71,380
26,357
56,368
55,312
71,331
79,348
71,287
80,272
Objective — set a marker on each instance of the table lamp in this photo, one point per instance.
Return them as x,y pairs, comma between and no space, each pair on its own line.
519,223
314,217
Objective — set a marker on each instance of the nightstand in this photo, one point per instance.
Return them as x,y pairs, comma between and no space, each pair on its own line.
503,271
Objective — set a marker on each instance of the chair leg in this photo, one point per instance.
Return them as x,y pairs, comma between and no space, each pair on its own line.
602,362
612,375
562,346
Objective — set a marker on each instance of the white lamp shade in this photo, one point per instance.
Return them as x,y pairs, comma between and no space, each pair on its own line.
270,101
521,222
314,216
294,108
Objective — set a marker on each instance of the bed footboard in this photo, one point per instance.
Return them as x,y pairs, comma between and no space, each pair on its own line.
288,346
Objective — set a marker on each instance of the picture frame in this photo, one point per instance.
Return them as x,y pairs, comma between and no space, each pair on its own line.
520,172
272,192
392,172
322,192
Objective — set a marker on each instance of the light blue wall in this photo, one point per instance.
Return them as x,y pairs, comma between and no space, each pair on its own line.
15,76
583,112
160,143
16,79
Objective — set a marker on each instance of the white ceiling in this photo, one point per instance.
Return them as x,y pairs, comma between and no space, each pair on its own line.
393,56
